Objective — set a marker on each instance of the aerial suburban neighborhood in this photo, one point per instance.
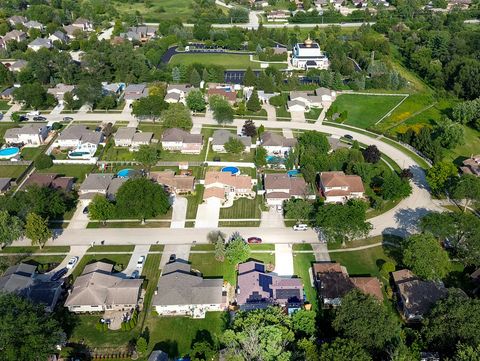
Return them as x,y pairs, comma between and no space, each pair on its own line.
240,180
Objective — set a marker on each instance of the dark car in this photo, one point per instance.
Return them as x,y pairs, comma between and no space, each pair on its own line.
23,118
172,258
59,274
348,136
67,119
39,119
85,210
254,240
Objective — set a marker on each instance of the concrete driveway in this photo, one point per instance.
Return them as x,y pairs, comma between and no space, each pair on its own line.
179,212
320,250
283,260
138,251
271,113
298,117
75,251
80,220
208,214
272,219
180,252
287,133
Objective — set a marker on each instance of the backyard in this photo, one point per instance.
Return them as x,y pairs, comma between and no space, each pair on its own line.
78,171
12,171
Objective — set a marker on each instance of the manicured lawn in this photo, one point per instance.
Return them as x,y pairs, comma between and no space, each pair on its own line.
116,259
242,208
32,153
151,273
75,170
193,201
365,242
471,146
175,335
302,262
32,249
156,129
313,114
122,248
42,260
282,113
365,110
229,61
118,153
12,171
4,105
130,224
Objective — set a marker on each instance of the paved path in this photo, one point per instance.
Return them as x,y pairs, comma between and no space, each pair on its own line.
79,220
288,133
208,215
180,251
283,260
138,251
179,212
320,251
271,113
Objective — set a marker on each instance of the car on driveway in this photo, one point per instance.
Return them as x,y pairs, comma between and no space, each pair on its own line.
254,240
172,258
85,210
59,274
39,118
140,262
67,119
72,262
23,118
135,274
300,227
348,136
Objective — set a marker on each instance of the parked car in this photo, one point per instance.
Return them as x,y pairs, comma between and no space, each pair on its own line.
140,262
348,136
172,258
33,113
85,210
67,119
254,240
300,227
72,262
39,118
135,274
1,115
23,118
59,274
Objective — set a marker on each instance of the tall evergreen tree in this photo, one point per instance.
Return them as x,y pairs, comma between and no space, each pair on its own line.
195,78
253,103
249,79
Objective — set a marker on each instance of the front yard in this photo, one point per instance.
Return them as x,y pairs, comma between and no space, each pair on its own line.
302,262
120,262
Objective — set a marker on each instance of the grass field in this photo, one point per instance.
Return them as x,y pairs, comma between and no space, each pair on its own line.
229,61
33,249
157,10
242,208
12,171
4,105
470,146
75,170
32,153
301,265
365,110
193,201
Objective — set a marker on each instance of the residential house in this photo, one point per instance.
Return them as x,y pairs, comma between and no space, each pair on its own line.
51,180
220,186
222,136
98,289
20,280
18,65
83,24
336,143
77,135
338,187
141,138
175,139
33,134
462,4
183,292
136,91
142,33
333,283
106,184
303,100
114,186
5,184
177,93
307,55
258,289
17,20
124,135
326,95
58,36
384,3
40,43
281,187
174,183
16,35
415,297
32,24
360,3
262,96
278,15
112,88
59,91
276,144
321,3
229,95
471,165
72,31
7,94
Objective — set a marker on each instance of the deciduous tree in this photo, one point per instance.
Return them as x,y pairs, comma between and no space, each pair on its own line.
343,350
11,228
249,129
439,175
260,157
43,161
237,251
223,113
101,209
371,154
177,116
36,228
196,101
466,189
149,107
234,146
298,209
148,155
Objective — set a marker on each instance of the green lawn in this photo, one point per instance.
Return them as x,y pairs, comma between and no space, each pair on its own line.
229,61
282,113
77,171
313,113
242,208
470,146
157,10
151,273
175,335
33,249
116,259
32,153
302,262
4,105
122,248
246,156
156,129
365,110
193,201
12,171
118,153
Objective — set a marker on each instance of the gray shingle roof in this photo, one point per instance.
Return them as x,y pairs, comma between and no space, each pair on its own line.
96,182
221,136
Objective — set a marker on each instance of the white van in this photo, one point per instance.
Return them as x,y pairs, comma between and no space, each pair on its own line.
300,227
33,113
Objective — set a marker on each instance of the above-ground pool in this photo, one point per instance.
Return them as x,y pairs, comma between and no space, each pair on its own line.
7,153
124,173
293,172
233,170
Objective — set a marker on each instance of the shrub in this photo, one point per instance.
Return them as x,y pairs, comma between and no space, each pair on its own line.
43,161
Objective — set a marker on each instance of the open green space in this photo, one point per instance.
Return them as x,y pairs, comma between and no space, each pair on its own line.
12,171
78,171
156,129
157,10
302,262
118,153
365,110
470,147
32,153
33,249
313,113
120,261
175,335
366,242
282,112
229,61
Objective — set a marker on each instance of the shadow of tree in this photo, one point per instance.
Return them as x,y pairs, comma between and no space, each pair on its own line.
168,346
407,220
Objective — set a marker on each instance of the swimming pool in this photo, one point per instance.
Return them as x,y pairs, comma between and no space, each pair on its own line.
124,173
233,170
7,153
274,159
293,172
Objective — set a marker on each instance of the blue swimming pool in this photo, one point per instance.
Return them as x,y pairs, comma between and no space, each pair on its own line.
293,172
233,170
7,153
274,159
125,173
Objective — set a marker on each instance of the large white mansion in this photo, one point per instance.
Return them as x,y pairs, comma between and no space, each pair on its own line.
307,55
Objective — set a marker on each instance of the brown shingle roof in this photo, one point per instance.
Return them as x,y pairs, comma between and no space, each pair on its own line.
296,185
340,179
236,181
230,96
369,285
214,193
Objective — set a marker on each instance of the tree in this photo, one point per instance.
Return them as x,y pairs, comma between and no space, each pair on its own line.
343,222
237,250
223,113
452,320
253,103
141,345
196,101
43,161
466,189
343,350
107,102
371,154
149,107
36,228
394,187
177,116
33,95
467,353
148,155
195,78
260,157
101,209
202,351
423,254
141,198
439,175
249,79
298,209
249,129
11,228
304,323
363,319
234,146
314,141
26,331
220,249
450,134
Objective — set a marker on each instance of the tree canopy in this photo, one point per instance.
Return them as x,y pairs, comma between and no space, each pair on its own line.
237,251
148,155
298,209
177,116
11,228
150,106
234,146
36,228
101,209
196,101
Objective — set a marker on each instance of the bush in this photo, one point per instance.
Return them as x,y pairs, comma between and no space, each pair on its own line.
56,126
43,161
101,326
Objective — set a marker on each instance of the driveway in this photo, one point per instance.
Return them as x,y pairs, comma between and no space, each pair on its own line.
179,250
138,251
272,219
196,129
271,113
283,260
179,212
80,220
298,117
208,214
75,251
287,133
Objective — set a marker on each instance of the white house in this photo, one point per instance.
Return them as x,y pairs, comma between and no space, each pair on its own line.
32,24
83,24
176,139
124,135
33,134
58,36
307,55
337,187
182,292
40,43
76,135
